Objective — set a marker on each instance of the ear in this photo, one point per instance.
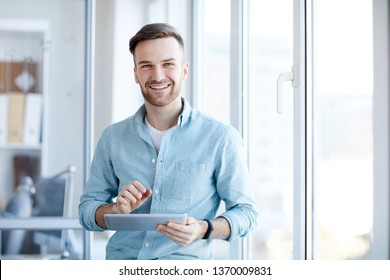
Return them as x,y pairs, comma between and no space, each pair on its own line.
185,70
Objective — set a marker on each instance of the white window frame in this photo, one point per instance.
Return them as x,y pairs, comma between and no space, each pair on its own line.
380,247
239,92
305,247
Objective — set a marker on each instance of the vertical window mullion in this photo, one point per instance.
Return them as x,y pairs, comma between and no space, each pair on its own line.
309,82
300,185
381,228
238,90
90,6
195,53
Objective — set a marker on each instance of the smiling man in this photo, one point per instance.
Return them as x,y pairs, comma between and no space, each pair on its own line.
168,158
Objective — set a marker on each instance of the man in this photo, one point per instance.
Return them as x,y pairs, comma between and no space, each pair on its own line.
168,158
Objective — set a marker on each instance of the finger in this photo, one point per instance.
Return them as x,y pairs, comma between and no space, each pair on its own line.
138,196
176,236
124,206
139,187
138,190
180,231
131,190
146,195
127,195
178,227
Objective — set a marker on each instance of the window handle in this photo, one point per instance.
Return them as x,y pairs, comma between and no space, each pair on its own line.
284,77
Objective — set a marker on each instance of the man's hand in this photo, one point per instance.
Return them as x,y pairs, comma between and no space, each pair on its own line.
194,229
184,234
131,197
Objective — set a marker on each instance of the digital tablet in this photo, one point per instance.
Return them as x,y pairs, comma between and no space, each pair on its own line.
141,221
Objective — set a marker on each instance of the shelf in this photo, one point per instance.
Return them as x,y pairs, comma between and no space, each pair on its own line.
20,146
39,223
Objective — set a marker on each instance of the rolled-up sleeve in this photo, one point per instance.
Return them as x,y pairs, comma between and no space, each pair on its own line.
101,186
233,185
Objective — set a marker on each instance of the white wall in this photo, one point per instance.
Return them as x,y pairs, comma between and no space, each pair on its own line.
117,96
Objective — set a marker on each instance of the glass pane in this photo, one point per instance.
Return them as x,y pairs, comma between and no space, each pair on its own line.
343,71
270,134
42,58
214,93
215,60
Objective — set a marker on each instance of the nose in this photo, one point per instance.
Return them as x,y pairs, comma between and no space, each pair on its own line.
158,73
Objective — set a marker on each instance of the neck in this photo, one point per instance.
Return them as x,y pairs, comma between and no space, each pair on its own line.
165,117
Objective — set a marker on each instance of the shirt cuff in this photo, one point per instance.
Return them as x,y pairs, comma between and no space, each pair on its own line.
88,220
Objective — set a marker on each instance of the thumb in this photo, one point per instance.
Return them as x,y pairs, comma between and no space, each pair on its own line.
146,194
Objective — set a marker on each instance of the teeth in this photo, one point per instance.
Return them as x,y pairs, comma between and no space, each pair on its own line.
159,87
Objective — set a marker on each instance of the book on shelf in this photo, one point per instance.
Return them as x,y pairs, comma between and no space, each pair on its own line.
23,121
32,118
2,77
15,116
3,118
20,106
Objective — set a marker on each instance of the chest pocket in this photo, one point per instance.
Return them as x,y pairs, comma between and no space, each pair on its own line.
192,180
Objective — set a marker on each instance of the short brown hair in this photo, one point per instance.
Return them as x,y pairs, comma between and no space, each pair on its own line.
155,31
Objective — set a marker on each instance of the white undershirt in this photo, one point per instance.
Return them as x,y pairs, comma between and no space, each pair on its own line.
156,134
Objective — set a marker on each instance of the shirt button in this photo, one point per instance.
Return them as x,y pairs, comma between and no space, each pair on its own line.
146,244
154,160
157,191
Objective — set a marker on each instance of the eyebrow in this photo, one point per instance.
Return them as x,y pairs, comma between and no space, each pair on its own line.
147,61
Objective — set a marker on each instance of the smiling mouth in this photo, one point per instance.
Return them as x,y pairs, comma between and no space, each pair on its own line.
159,87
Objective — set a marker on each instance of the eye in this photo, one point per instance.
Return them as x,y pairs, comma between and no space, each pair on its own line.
145,66
169,64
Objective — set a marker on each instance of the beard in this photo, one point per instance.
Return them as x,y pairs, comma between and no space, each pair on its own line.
163,98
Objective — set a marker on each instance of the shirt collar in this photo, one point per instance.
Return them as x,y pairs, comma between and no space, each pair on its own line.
185,114
181,120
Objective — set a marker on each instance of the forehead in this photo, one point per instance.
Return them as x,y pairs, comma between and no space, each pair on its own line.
158,49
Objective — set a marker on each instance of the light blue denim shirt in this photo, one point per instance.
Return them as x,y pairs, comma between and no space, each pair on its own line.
200,163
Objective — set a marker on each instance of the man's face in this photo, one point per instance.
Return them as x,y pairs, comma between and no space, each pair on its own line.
159,70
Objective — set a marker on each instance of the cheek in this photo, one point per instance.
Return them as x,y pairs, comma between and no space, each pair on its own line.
138,78
176,75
